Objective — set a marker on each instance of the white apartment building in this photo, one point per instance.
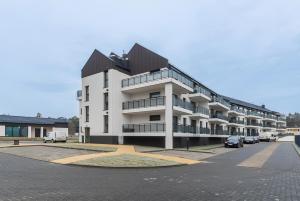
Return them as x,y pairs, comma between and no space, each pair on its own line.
140,98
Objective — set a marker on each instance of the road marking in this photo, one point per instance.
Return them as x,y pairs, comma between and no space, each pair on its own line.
259,159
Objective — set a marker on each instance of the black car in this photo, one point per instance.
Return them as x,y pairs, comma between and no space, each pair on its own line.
234,141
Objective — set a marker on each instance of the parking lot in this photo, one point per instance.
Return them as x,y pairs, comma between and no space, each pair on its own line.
221,177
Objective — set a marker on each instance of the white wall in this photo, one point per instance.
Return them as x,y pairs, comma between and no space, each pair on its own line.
2,130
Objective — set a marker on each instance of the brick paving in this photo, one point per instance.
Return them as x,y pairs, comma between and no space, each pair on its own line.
221,179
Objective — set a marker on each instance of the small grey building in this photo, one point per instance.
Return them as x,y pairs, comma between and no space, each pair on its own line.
31,127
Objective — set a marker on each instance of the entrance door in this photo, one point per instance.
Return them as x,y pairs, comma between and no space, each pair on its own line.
194,125
87,134
37,132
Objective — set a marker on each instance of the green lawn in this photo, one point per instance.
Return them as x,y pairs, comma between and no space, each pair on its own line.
126,160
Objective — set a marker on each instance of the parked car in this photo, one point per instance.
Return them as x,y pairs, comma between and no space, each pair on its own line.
55,136
256,139
234,141
249,140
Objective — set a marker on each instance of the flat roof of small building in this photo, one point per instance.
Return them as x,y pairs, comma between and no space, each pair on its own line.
6,119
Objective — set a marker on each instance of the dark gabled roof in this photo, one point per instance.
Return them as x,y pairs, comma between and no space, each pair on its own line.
246,104
97,63
31,120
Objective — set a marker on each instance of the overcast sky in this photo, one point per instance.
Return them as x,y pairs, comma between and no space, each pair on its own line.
249,50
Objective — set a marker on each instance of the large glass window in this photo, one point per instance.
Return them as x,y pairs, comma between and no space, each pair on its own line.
87,93
105,123
87,113
105,79
16,131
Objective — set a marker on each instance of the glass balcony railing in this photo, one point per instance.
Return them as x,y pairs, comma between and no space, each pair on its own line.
269,126
201,110
219,116
158,75
190,129
201,90
220,100
281,118
144,128
238,110
219,132
183,104
236,121
269,116
144,103
253,113
254,124
79,94
236,133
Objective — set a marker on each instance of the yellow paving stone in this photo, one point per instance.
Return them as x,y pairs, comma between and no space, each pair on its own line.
258,160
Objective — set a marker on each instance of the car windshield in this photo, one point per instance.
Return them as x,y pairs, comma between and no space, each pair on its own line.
232,138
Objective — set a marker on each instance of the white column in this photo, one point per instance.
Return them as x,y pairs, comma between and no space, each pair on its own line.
41,132
120,139
29,132
169,116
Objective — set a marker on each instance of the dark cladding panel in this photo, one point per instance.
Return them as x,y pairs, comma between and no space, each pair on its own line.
97,63
142,60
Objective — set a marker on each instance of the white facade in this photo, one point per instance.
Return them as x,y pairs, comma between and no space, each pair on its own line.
161,104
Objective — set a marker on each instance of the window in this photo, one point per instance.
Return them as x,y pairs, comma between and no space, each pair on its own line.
184,121
105,101
87,93
105,123
87,114
16,131
105,79
154,94
154,117
81,111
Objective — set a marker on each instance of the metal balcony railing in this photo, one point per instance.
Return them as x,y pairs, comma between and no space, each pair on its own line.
219,116
158,75
177,128
183,104
201,110
144,103
144,128
236,121
220,100
201,90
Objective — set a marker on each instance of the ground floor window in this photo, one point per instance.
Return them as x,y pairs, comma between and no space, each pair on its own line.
16,131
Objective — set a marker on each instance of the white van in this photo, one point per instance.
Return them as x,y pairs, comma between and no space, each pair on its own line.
55,136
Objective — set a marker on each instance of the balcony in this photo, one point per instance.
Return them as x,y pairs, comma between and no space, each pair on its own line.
219,132
144,105
218,118
269,126
79,95
236,133
254,115
182,107
188,129
282,119
236,122
219,104
269,117
155,80
236,111
147,129
253,124
200,112
200,95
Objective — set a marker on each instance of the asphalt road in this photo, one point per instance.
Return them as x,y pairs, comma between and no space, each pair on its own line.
219,178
